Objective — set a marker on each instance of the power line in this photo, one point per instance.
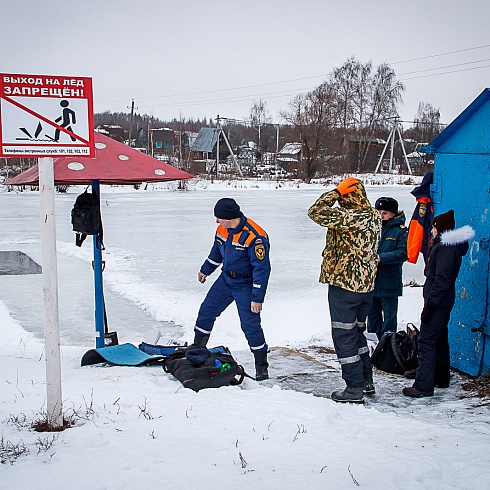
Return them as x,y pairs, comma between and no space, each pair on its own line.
440,54
443,67
238,98
275,95
289,93
422,122
299,79
223,89
446,72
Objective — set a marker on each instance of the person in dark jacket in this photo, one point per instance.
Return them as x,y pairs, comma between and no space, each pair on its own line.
242,247
448,248
392,252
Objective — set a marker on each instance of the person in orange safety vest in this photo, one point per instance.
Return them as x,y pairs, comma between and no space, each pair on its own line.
419,237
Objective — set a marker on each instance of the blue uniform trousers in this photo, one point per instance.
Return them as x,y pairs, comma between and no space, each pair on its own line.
348,311
382,316
222,293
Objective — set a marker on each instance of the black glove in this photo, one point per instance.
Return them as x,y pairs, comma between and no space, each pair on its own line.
427,312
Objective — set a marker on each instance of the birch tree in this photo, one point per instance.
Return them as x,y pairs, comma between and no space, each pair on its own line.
313,116
365,101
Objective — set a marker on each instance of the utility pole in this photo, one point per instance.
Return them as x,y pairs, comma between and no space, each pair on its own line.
219,130
395,130
148,142
131,122
180,142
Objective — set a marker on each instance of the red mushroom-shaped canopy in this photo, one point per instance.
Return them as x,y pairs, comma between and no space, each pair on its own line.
114,163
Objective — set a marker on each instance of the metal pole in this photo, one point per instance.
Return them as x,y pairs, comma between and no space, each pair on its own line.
391,147
218,130
99,291
382,154
148,140
230,149
403,149
131,123
50,293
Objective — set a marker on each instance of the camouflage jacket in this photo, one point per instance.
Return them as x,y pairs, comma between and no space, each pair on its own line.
350,257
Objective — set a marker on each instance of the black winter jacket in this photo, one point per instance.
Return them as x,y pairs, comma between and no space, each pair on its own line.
443,266
392,251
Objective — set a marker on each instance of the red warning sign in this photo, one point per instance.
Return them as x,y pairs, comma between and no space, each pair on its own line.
46,116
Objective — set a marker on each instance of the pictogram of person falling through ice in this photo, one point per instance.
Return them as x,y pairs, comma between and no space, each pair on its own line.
67,118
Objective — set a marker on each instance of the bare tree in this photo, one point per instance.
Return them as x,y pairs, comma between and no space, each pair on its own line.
313,117
364,100
427,122
259,116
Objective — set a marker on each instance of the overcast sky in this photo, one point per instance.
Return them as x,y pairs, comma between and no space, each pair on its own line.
196,58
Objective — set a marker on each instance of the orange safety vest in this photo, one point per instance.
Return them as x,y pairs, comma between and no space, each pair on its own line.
419,230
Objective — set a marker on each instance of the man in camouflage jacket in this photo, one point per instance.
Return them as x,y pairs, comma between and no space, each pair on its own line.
349,266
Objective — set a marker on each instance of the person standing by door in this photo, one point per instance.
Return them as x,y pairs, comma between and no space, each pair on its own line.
449,246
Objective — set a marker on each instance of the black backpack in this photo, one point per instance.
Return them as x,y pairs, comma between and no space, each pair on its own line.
86,218
396,352
204,368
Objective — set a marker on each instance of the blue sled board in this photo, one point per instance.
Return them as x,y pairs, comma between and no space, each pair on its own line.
119,355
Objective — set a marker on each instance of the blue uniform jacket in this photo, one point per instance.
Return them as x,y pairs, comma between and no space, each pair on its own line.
244,253
392,251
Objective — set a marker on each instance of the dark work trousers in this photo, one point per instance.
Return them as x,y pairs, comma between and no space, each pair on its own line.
382,316
348,312
222,293
433,354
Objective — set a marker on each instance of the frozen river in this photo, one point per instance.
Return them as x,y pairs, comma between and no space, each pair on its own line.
155,244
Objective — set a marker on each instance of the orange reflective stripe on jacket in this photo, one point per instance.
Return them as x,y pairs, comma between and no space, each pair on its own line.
251,228
222,232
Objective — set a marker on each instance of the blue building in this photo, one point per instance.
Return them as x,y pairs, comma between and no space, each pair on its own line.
462,183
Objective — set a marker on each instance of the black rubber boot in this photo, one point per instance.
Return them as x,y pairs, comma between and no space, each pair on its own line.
414,393
261,366
200,341
369,388
349,395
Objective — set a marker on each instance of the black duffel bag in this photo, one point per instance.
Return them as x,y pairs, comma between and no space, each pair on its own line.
204,368
396,352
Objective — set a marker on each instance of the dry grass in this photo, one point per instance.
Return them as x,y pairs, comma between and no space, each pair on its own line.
479,386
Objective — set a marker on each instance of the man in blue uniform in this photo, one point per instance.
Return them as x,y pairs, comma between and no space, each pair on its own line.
242,247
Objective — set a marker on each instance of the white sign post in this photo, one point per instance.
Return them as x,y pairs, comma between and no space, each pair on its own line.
50,292
44,116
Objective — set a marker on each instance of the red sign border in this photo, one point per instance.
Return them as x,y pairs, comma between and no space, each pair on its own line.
88,95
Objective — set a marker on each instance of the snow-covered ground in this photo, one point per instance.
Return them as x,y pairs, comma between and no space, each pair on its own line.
137,426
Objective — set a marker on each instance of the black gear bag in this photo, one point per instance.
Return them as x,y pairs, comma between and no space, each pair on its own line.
86,218
204,368
396,352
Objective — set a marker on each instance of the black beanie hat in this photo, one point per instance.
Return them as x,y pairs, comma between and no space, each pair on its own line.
227,208
387,204
444,221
